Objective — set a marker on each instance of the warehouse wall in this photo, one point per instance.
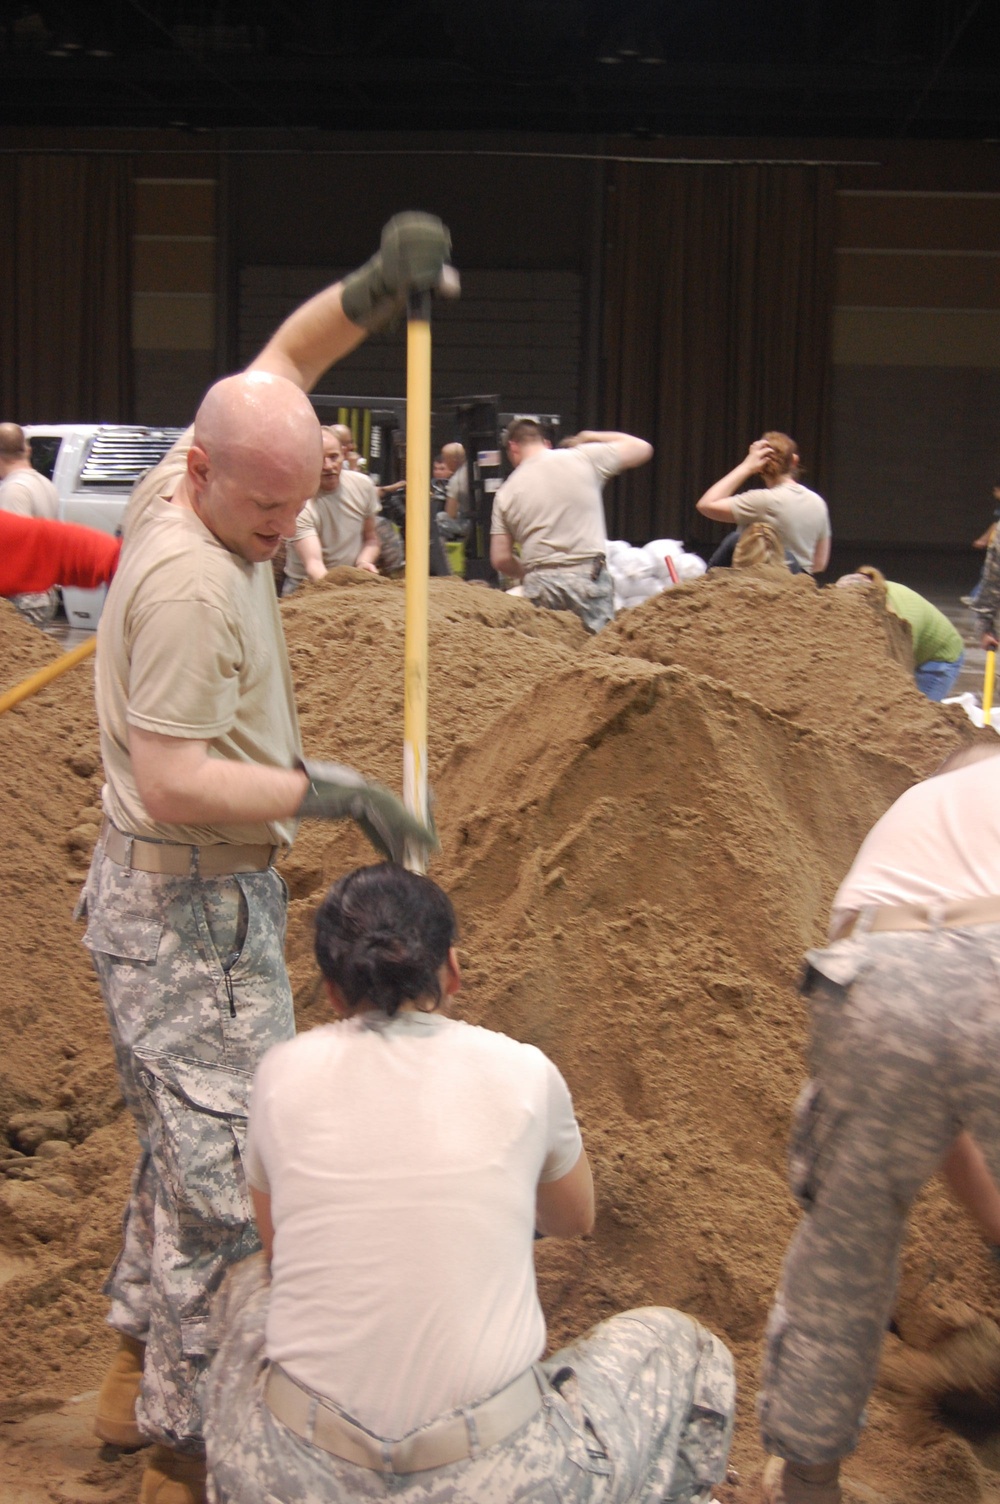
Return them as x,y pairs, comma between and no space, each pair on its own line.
915,447
230,230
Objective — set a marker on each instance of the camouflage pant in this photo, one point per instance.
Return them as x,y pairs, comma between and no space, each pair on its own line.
904,1044
194,981
37,606
640,1410
572,588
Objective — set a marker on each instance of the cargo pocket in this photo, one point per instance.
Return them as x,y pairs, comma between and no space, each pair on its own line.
113,931
196,1114
814,1126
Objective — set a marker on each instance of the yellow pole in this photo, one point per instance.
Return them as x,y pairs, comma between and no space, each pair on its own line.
418,490
45,675
991,663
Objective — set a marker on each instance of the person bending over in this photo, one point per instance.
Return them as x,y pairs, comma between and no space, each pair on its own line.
798,515
400,1162
938,649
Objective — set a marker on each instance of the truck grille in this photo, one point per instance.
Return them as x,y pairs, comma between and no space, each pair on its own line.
119,456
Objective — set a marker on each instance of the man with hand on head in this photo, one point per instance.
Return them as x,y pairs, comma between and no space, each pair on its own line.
338,525
204,788
553,507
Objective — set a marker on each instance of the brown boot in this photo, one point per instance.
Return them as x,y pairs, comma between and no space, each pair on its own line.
115,1418
173,1478
795,1483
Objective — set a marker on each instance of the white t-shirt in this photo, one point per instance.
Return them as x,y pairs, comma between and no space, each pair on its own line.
402,1158
552,504
29,494
337,518
798,516
939,843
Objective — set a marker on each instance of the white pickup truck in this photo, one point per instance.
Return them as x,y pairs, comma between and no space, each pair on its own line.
94,467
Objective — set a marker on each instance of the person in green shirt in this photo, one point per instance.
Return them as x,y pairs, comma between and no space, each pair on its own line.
938,649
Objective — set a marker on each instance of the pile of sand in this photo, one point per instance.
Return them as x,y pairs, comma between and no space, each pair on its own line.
641,833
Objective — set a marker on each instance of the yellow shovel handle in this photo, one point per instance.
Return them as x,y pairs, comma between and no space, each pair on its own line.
991,663
45,675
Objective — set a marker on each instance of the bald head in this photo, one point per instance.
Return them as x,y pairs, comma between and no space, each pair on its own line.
254,417
453,456
254,462
13,445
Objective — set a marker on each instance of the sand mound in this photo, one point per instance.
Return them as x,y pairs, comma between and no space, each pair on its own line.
641,833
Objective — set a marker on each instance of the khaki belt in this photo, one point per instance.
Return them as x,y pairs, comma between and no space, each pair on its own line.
141,855
451,1439
921,916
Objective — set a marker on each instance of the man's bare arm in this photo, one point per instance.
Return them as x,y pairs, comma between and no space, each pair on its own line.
311,554
631,451
180,784
564,1208
503,557
412,255
370,548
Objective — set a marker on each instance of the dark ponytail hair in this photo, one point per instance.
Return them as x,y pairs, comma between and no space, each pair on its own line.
382,935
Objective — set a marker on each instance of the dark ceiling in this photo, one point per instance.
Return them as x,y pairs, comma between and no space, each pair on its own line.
861,68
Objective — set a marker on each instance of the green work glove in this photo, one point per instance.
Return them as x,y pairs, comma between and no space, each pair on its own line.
415,249
339,793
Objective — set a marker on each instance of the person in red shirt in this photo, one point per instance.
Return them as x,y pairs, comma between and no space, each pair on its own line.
36,553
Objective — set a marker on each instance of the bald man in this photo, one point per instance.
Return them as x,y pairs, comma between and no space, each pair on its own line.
345,438
204,787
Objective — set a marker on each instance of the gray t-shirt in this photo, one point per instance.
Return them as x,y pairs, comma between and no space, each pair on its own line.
553,507
798,516
337,519
29,494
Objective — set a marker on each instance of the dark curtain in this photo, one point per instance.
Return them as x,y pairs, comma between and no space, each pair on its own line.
65,314
718,285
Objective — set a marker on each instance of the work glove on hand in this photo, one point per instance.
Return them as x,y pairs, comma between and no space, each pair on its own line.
339,793
415,248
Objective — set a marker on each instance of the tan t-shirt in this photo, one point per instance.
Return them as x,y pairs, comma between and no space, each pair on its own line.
798,516
190,644
552,504
337,518
29,494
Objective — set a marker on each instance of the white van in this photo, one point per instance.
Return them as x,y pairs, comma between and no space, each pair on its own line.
94,467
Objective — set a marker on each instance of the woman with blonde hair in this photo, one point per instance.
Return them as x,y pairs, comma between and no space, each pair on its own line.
759,547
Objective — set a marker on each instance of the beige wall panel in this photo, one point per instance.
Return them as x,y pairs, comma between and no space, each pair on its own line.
929,222
174,208
173,321
916,337
898,280
173,265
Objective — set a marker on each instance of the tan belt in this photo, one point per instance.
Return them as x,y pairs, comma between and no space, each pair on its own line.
454,1437
140,855
921,916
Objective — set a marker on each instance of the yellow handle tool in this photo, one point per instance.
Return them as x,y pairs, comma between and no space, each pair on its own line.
991,663
418,523
32,685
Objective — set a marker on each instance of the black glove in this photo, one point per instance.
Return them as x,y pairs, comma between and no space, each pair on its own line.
339,793
415,249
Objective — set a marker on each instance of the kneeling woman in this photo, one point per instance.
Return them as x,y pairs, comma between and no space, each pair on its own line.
400,1162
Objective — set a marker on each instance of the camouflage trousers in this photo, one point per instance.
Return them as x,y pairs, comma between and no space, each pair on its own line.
194,982
37,606
573,588
640,1410
905,1036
